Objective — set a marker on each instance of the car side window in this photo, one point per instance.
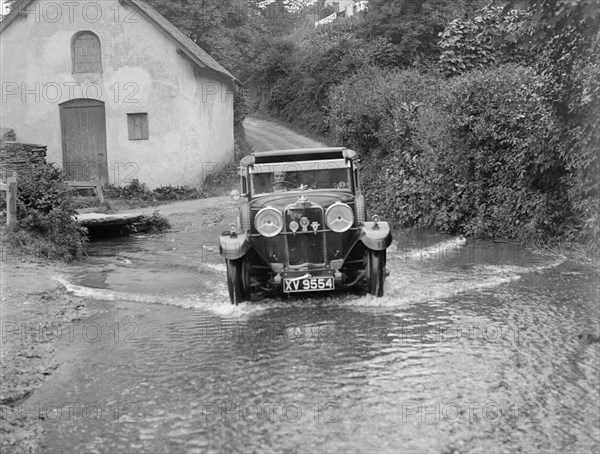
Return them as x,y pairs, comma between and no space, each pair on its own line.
260,182
332,178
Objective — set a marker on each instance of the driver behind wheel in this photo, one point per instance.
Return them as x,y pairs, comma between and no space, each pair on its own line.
279,181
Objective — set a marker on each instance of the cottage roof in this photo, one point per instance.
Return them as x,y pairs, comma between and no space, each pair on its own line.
185,44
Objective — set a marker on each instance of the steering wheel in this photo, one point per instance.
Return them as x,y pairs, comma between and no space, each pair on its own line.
284,183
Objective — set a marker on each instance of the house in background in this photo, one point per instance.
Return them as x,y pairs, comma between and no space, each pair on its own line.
341,8
337,5
115,91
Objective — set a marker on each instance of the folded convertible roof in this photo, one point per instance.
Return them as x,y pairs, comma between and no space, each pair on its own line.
298,154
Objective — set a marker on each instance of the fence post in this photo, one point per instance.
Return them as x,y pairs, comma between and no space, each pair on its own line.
11,201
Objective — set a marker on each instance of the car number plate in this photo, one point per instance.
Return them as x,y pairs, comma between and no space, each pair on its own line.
310,284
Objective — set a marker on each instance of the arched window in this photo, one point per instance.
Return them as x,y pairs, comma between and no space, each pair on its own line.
86,53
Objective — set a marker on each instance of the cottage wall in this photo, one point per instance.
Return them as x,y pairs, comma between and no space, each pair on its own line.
190,113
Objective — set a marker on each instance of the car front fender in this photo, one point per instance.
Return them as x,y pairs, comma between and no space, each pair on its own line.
378,238
232,248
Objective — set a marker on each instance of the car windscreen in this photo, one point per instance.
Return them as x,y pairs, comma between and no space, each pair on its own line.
334,174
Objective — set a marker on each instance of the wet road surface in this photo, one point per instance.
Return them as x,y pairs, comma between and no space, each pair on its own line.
473,348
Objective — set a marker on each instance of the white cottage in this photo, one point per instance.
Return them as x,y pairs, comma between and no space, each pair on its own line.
115,91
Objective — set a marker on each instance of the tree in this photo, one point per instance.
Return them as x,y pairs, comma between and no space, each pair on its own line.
228,30
412,27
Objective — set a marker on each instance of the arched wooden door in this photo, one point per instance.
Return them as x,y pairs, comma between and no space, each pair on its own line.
83,127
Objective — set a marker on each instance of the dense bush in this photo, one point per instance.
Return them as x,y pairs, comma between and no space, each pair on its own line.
134,190
581,143
477,119
376,108
138,191
44,213
300,95
392,117
570,71
508,176
488,39
476,154
411,27
178,193
293,76
154,223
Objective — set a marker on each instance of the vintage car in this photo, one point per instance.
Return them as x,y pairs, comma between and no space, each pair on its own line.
302,226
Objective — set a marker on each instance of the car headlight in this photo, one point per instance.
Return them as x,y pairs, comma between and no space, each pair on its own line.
269,222
339,217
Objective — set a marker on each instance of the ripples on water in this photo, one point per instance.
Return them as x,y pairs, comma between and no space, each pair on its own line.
474,348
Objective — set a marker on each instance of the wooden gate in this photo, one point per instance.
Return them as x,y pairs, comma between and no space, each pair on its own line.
83,127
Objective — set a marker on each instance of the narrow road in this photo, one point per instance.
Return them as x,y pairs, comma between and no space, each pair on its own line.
265,135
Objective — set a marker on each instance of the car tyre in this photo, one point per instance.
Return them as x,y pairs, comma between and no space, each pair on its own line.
375,272
237,281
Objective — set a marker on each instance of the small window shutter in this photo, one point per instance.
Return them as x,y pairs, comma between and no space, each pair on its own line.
138,126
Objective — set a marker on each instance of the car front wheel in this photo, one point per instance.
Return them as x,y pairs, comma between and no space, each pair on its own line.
236,283
375,272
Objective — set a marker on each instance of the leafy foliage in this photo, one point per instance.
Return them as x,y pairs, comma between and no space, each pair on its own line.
138,191
475,154
565,34
240,106
178,193
507,147
297,76
234,31
483,41
412,27
44,213
390,116
375,109
508,175
575,96
154,223
294,76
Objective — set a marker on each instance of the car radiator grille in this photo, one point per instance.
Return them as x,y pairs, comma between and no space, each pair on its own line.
305,246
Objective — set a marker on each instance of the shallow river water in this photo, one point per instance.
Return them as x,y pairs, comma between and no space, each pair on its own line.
474,348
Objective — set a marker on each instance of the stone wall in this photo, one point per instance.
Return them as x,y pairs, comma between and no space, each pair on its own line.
20,157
